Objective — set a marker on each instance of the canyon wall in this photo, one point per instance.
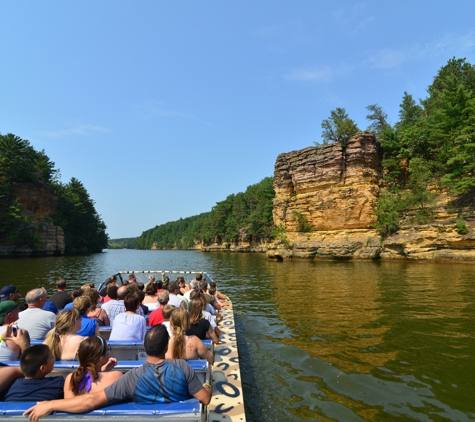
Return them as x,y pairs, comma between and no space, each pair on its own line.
332,190
37,203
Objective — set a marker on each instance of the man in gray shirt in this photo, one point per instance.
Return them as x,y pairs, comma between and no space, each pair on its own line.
157,381
33,319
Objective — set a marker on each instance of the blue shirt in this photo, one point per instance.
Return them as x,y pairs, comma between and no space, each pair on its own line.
88,326
40,389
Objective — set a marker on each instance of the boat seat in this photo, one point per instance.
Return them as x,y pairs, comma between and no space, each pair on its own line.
191,410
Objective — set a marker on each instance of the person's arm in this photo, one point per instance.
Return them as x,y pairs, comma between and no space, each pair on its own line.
109,365
78,404
96,331
212,335
217,304
105,317
203,351
204,395
8,374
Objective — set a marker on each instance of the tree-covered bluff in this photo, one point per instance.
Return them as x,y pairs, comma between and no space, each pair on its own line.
245,217
39,215
393,191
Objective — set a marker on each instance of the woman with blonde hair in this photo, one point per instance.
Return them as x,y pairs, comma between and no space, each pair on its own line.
198,325
92,374
62,339
89,326
182,346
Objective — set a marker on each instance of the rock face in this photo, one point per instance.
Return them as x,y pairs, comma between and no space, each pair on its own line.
332,187
333,190
37,203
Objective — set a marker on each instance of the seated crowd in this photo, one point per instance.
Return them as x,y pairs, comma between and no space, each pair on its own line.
180,316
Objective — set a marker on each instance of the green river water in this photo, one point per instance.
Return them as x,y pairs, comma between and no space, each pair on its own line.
323,340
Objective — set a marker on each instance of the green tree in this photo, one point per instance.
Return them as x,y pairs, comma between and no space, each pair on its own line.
409,112
378,119
338,127
83,228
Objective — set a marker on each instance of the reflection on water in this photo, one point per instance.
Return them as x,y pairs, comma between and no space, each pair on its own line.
322,340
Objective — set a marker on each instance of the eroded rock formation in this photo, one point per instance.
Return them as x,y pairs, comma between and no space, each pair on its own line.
333,189
37,203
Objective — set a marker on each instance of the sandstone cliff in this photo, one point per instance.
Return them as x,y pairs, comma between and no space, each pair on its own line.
333,190
37,203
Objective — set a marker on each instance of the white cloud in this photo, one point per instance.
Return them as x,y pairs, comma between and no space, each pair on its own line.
78,130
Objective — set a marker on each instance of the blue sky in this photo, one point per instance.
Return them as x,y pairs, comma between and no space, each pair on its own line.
163,108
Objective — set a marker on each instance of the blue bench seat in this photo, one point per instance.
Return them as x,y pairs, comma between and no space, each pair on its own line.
191,410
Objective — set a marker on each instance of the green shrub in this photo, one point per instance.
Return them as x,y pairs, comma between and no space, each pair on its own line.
461,225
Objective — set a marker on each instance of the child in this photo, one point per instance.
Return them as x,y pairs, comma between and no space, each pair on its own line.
167,311
36,362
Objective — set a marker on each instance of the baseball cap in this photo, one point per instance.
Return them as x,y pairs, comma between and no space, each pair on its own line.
6,307
6,291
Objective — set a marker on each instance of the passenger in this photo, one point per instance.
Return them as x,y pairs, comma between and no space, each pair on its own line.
11,344
220,295
156,316
222,299
36,362
198,294
141,295
89,326
9,292
209,298
97,313
128,325
132,278
174,300
33,319
92,374
199,326
113,300
157,381
183,286
110,281
74,294
118,306
182,346
159,284
151,280
63,340
166,313
193,286
150,299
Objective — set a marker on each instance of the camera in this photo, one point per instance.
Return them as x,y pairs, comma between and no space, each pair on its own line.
14,330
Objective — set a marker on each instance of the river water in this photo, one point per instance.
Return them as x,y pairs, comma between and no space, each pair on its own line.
323,340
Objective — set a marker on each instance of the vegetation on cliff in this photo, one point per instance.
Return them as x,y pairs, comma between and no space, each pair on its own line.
243,215
430,149
20,163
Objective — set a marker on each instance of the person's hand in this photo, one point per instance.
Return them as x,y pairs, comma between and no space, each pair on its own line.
109,365
22,338
42,408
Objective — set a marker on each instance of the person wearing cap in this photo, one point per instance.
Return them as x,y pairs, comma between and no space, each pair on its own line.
9,292
61,298
110,281
12,344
